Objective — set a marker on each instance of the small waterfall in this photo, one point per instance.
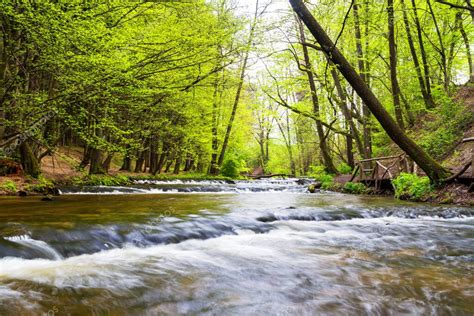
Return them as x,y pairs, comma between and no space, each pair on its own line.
38,245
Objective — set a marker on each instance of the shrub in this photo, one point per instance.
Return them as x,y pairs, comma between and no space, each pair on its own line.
410,186
102,180
354,188
9,186
438,142
43,185
344,168
320,174
230,168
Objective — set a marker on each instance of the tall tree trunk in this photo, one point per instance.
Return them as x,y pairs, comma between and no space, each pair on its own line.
139,163
421,81
29,161
3,66
433,169
220,161
468,50
347,114
441,50
424,58
96,157
107,162
86,157
393,64
323,147
153,155
127,161
362,70
177,165
214,168
168,165
96,162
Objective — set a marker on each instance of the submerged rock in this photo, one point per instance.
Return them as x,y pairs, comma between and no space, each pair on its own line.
314,186
48,198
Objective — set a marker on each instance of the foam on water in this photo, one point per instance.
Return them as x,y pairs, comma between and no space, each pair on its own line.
272,254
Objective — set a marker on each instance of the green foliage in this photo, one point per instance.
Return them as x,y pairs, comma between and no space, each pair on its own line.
445,126
184,176
41,185
319,174
8,186
344,168
439,141
104,180
354,188
230,168
410,186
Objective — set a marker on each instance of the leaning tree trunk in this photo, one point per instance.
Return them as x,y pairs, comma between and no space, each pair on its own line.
323,147
433,169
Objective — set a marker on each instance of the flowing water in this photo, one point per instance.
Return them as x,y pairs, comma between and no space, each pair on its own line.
245,248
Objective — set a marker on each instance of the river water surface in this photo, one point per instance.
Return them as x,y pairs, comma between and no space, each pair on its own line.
250,248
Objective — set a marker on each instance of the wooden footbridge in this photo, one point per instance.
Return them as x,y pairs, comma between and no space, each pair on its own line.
379,172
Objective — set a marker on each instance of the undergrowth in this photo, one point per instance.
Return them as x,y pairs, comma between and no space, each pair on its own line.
411,187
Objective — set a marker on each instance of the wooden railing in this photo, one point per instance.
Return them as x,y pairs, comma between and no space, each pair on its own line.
383,168
375,170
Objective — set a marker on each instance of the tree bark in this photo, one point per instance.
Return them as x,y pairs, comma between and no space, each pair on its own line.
96,162
441,50
393,65
349,121
433,169
362,70
214,168
139,163
107,162
29,161
225,143
421,81
323,147
177,165
127,161
424,59
468,51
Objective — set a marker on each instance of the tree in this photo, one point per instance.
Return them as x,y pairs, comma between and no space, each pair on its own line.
433,169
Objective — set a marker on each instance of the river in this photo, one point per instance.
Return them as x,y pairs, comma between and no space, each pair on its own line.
216,248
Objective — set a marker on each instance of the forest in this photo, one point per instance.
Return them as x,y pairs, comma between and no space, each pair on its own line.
230,88
236,157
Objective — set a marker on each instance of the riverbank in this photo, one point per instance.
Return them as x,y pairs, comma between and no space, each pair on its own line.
455,193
